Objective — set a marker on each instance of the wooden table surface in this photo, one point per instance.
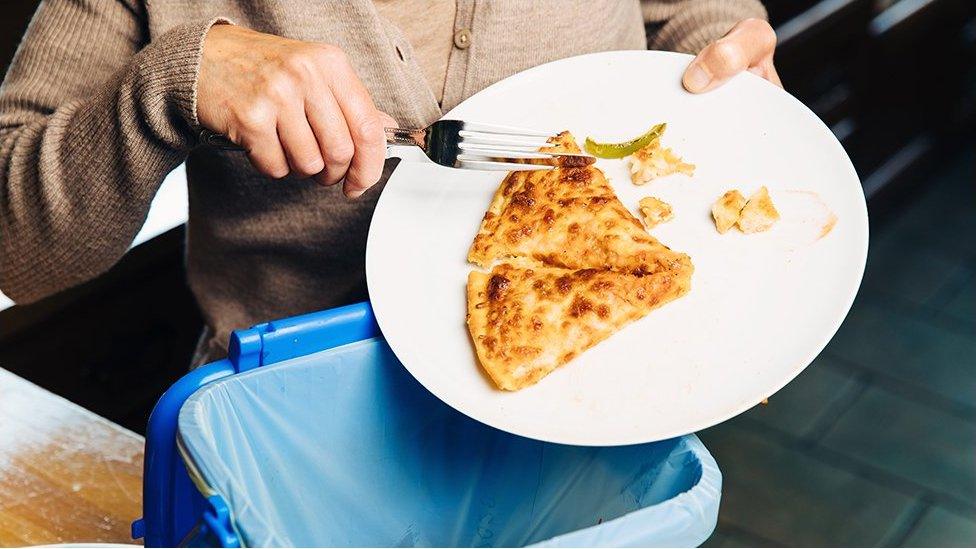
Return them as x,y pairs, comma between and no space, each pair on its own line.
66,474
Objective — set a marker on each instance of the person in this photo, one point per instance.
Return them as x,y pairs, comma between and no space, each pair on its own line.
105,97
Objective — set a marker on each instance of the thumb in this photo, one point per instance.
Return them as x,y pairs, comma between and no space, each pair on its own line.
746,45
387,120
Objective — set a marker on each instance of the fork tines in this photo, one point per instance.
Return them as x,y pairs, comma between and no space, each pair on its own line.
491,147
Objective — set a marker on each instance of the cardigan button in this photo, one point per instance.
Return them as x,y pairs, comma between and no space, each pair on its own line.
462,39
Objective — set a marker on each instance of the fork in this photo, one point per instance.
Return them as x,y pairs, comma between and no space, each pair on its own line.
467,145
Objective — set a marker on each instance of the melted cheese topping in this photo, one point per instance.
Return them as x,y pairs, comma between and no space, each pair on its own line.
567,217
569,267
527,320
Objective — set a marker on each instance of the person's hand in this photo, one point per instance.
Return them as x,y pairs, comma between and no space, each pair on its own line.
296,107
749,46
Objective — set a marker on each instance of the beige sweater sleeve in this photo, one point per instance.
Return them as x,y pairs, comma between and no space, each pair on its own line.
687,26
91,120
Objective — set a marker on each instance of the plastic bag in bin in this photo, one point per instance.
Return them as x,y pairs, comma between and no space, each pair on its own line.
344,448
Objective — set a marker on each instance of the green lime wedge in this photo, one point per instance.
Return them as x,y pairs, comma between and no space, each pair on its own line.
620,150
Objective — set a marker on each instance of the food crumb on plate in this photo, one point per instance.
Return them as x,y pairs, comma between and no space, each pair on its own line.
828,225
654,161
759,214
654,211
726,210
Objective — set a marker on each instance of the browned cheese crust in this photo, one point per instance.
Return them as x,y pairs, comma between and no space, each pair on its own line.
568,217
570,265
527,320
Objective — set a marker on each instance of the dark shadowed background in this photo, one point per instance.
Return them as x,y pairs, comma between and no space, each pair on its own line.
874,444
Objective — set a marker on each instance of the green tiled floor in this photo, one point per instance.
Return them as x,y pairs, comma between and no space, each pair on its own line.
960,305
767,484
800,407
910,440
875,443
898,343
940,527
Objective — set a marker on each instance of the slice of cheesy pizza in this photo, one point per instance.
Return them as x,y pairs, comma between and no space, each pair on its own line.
568,217
526,319
570,265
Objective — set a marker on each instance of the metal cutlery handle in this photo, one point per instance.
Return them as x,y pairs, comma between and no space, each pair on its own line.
394,136
406,136
218,141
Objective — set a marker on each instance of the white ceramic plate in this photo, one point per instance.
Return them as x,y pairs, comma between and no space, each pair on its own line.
761,307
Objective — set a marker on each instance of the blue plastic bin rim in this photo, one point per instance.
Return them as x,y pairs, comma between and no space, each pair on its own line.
173,506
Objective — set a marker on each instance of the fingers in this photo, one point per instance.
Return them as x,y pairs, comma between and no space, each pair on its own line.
365,129
296,107
267,156
767,71
332,133
714,66
258,137
367,162
749,44
388,121
299,143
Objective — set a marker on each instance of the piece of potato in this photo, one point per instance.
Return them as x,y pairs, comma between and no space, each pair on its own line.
654,211
726,210
759,214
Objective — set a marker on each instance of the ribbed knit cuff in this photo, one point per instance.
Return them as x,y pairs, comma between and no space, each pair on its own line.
703,22
170,66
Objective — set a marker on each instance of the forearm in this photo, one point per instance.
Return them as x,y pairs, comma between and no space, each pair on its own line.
687,26
76,182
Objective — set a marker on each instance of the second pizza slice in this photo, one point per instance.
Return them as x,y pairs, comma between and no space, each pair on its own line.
526,320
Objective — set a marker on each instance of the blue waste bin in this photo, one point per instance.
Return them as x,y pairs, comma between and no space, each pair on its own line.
311,433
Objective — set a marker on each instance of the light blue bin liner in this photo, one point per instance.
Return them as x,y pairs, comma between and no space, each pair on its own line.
344,448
